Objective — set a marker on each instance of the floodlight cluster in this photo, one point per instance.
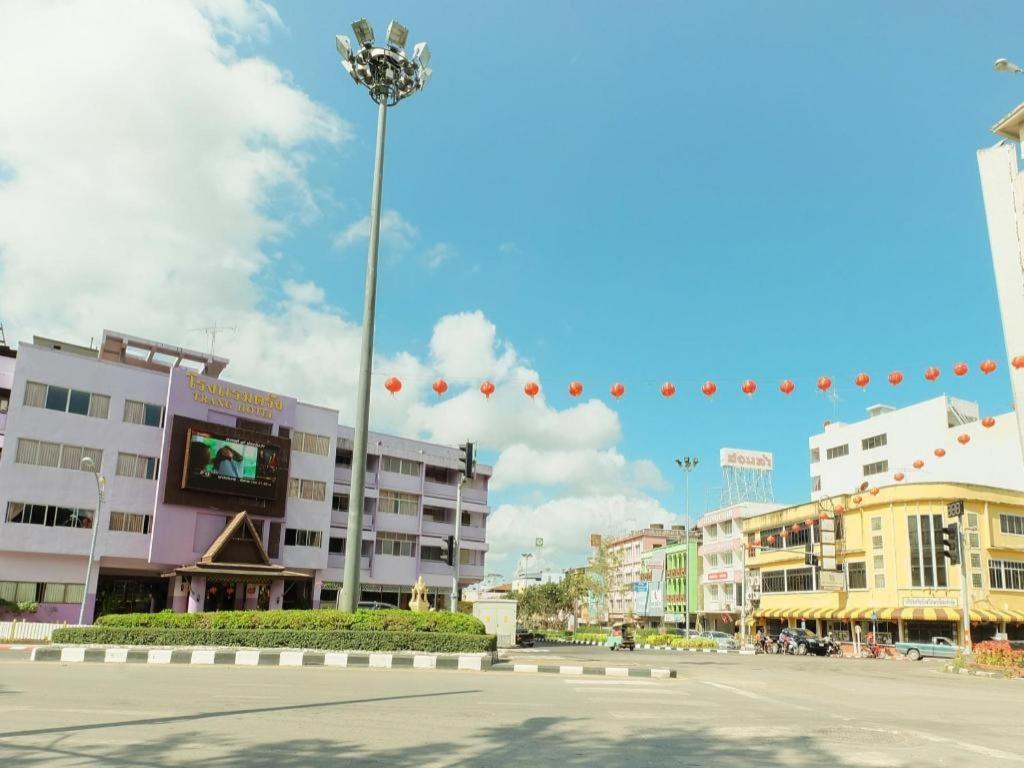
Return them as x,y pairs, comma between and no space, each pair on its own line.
386,70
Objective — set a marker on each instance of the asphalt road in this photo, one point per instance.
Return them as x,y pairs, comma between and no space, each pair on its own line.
722,710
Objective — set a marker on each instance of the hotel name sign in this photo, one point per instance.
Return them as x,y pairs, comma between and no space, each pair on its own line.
246,402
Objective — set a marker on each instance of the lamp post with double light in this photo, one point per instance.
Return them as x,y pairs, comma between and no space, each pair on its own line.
687,465
390,75
88,465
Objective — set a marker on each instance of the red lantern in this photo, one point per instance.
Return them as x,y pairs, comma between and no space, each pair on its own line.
895,378
668,389
824,383
823,516
709,388
1018,362
862,380
393,385
873,491
795,527
857,499
618,390
787,387
940,452
898,477
960,369
840,509
575,388
440,386
987,366
932,373
918,464
749,387
809,522
771,540
988,422
784,533
487,389
964,439
531,389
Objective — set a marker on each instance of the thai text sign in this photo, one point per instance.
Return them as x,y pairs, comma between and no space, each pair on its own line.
734,457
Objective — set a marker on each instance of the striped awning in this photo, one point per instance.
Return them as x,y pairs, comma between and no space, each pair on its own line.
890,614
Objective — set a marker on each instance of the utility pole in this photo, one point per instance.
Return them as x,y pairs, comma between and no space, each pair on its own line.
455,544
687,465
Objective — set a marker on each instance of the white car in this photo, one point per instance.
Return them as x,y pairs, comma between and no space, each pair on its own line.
722,640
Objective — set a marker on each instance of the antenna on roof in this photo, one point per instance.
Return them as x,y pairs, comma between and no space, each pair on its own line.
212,331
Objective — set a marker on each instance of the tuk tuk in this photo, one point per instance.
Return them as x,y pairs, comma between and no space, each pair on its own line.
621,637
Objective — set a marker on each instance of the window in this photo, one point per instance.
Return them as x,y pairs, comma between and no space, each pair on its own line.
343,457
335,546
434,554
436,474
148,414
877,541
726,558
815,455
471,557
976,581
773,581
1012,524
66,400
876,468
879,581
49,515
129,522
876,441
927,563
310,443
400,466
799,579
142,467
857,575
435,514
711,559
62,593
876,523
309,490
878,562
298,537
398,503
339,502
1006,574
815,483
55,455
975,560
395,544
329,595
838,451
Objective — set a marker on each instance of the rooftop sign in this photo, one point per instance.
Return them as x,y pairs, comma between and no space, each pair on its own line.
734,457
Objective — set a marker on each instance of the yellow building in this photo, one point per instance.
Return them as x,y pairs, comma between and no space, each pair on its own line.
896,579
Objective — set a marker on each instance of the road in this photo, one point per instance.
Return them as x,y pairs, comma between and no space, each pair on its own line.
721,710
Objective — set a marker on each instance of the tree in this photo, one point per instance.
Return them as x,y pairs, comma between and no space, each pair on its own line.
604,574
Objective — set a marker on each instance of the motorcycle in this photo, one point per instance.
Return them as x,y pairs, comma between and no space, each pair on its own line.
832,648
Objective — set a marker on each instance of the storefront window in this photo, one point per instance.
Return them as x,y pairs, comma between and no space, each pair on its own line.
924,631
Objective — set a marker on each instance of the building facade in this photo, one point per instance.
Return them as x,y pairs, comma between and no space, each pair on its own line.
894,578
721,555
845,456
626,564
217,495
678,556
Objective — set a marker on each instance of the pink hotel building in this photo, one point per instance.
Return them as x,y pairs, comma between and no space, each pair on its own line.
218,496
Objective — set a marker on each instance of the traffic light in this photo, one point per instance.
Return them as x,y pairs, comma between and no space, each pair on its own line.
449,555
468,460
951,543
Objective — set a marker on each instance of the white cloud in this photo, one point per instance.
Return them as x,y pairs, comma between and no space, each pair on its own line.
438,254
575,471
396,233
304,293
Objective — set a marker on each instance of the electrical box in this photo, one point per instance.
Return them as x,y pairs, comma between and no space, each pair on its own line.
499,618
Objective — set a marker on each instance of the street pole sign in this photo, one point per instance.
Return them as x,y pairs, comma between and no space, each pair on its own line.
955,508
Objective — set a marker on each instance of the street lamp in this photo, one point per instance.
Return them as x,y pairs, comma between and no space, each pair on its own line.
1002,65
390,75
687,465
88,465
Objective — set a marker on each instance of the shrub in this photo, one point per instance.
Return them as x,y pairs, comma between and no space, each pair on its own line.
23,606
336,639
320,620
1000,654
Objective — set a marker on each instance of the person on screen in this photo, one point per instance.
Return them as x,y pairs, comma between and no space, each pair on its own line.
228,462
198,458
266,462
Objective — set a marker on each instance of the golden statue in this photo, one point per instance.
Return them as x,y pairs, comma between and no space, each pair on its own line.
419,603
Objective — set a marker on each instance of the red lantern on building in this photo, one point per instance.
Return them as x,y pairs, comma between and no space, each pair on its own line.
668,389
857,499
795,528
964,439
932,373
393,385
771,540
1018,362
988,422
575,388
960,369
840,509
749,387
487,389
809,522
709,388
898,477
873,491
787,387
440,386
531,389
918,464
618,390
824,383
940,452
896,378
862,380
784,533
987,366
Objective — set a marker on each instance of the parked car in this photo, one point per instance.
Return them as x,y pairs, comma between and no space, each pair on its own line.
803,641
373,605
941,647
722,640
524,637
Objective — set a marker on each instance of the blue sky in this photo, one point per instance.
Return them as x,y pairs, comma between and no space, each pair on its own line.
632,193
716,191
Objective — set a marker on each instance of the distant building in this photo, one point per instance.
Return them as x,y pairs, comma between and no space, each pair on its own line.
625,553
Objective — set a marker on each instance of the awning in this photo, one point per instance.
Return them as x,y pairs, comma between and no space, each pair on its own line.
890,614
231,573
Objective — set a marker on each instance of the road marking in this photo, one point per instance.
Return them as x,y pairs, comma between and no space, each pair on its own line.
608,682
755,696
997,754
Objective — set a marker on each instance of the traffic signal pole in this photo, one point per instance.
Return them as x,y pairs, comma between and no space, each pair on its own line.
965,592
455,544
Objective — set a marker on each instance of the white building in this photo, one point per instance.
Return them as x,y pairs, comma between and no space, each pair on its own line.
883,449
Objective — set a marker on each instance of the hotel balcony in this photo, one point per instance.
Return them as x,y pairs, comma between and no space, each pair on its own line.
430,528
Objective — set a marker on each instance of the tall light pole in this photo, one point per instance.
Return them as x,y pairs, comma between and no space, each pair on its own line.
687,465
88,465
390,75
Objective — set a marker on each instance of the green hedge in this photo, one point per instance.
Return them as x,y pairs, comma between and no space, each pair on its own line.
328,640
320,620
